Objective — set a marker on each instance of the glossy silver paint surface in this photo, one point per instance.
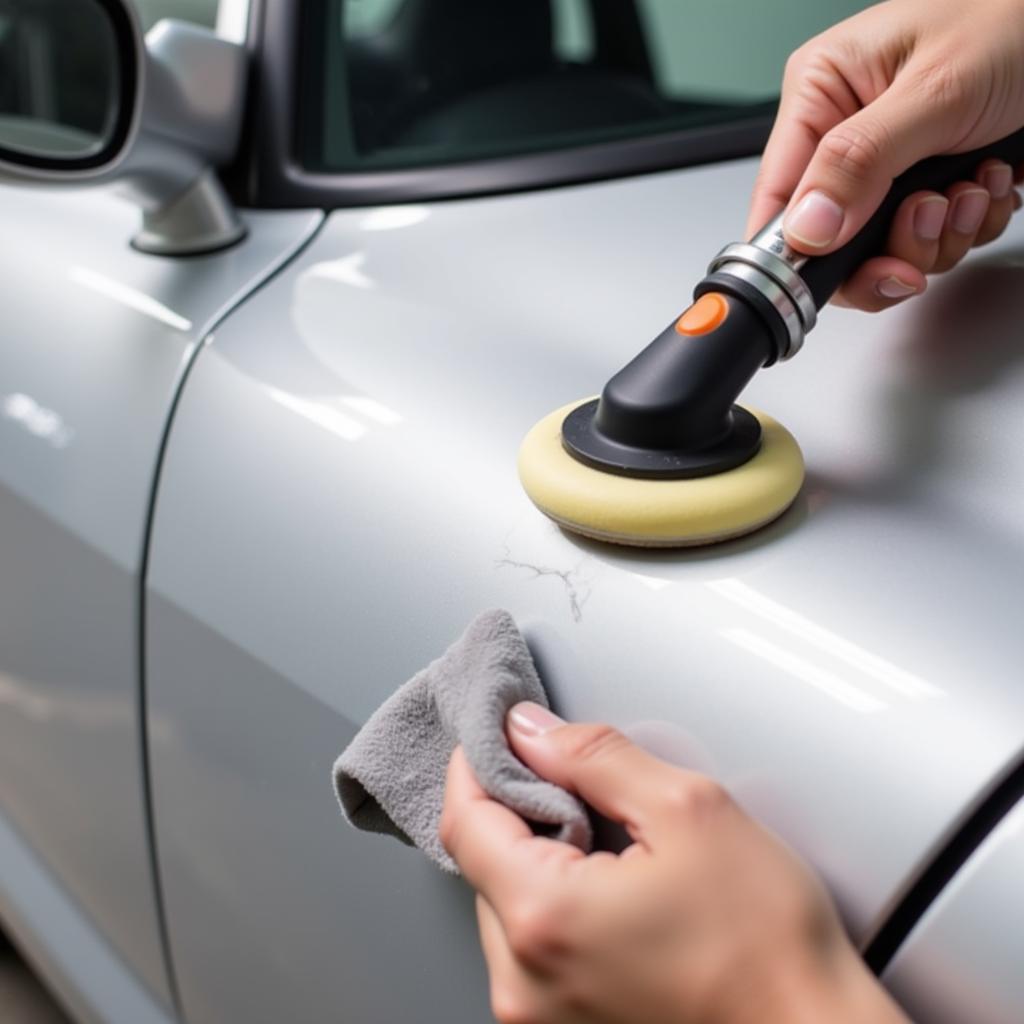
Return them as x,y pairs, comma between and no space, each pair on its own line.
340,498
93,342
958,964
89,977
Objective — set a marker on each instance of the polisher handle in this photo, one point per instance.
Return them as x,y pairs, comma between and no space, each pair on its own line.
669,412
824,274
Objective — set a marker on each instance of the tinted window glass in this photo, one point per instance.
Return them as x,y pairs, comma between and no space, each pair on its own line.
401,83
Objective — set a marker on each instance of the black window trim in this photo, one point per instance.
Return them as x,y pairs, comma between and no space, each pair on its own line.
268,172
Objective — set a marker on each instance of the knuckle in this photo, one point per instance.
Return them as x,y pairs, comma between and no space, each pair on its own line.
696,797
815,55
509,1006
796,64
592,742
941,82
812,70
534,931
854,151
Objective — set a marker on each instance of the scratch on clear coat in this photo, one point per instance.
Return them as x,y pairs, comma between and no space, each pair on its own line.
576,588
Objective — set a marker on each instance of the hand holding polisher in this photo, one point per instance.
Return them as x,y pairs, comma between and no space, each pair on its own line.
665,458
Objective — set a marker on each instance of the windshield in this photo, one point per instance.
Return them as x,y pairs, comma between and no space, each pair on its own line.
409,83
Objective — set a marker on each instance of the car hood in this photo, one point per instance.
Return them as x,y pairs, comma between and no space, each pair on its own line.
852,672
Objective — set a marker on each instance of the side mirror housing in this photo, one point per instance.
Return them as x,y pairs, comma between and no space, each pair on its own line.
84,99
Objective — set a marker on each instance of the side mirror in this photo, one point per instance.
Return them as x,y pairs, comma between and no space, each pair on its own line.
85,99
69,85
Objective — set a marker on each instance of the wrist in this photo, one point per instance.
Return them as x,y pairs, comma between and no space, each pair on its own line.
811,988
846,992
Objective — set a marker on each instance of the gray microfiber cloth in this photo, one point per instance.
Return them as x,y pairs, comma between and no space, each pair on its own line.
391,777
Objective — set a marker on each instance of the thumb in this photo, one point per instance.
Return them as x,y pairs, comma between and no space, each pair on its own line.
615,776
854,165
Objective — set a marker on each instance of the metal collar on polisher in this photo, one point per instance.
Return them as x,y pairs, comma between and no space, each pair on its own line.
772,267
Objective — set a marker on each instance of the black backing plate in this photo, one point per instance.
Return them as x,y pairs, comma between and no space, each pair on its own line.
583,442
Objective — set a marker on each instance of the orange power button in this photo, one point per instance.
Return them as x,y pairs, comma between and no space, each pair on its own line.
704,315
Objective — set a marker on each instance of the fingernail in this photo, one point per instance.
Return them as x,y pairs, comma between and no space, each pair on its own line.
894,288
532,719
998,179
969,209
815,220
930,217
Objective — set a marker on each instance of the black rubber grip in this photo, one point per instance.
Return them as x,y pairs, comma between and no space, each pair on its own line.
824,274
669,412
678,391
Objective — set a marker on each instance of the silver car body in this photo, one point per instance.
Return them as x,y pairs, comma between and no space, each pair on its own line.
244,496
96,338
341,474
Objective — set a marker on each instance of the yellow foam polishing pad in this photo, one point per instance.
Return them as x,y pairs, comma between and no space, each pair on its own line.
660,513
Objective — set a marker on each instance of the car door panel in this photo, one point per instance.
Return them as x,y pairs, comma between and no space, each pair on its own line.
96,339
339,499
284,916
962,961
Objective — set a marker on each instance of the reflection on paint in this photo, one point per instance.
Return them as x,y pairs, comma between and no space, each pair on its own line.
650,582
39,421
346,270
125,295
897,679
332,412
321,413
20,698
83,710
799,668
388,218
371,409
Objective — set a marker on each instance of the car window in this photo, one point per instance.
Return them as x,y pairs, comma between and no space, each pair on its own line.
405,83
202,12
